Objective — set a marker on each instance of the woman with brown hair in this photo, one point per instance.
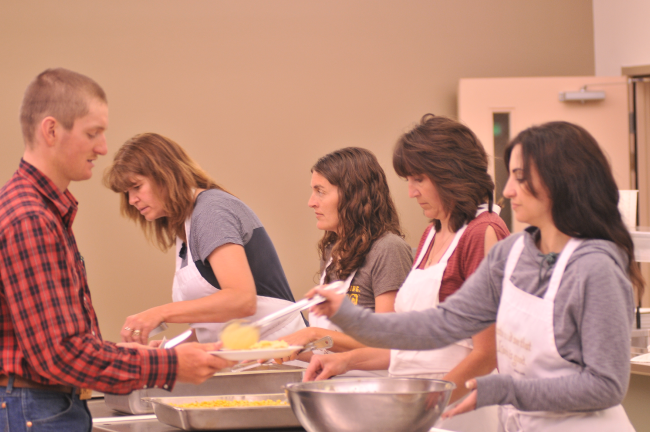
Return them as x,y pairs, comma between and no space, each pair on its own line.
363,243
447,172
226,264
560,293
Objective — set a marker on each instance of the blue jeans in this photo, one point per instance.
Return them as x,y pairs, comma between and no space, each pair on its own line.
47,411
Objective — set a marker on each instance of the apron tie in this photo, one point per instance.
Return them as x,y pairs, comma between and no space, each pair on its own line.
510,419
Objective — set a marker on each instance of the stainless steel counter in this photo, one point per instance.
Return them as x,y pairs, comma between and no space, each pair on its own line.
156,426
108,420
128,413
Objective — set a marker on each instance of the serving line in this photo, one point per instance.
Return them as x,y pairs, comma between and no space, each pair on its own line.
108,420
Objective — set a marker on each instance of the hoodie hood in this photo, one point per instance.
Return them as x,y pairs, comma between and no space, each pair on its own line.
590,246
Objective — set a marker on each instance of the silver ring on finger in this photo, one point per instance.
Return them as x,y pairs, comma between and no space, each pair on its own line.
128,329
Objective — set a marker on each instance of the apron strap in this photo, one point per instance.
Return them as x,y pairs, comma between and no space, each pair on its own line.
322,276
513,257
452,247
425,247
348,280
188,225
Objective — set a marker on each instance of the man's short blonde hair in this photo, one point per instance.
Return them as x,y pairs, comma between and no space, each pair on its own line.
60,93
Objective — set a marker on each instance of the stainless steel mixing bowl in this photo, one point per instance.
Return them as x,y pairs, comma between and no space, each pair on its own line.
369,404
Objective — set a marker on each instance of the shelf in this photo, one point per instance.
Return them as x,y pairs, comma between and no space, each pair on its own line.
640,368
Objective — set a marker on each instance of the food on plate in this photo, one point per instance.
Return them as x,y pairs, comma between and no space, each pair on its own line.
221,403
269,345
239,336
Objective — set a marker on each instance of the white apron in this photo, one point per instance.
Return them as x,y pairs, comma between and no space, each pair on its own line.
421,291
324,322
526,350
190,285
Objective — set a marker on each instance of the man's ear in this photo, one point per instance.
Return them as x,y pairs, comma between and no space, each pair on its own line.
49,130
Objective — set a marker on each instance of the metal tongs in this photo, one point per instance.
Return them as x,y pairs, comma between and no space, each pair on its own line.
338,287
171,343
322,343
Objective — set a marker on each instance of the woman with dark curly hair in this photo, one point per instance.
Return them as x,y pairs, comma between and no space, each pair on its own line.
363,244
226,264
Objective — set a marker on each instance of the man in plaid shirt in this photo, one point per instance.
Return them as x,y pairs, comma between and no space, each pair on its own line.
51,346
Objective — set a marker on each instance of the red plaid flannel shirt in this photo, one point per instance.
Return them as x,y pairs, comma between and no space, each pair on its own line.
48,327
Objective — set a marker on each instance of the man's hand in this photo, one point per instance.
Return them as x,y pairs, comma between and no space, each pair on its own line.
195,365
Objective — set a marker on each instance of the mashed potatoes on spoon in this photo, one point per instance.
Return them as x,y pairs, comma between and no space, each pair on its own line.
242,336
239,335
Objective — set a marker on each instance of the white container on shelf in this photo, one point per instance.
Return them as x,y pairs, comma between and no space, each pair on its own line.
641,241
627,201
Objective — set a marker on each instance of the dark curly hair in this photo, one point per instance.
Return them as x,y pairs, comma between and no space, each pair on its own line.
453,158
366,210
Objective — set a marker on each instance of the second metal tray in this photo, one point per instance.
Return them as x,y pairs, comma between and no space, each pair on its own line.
267,417
262,379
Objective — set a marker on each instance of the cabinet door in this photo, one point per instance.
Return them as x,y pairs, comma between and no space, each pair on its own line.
497,109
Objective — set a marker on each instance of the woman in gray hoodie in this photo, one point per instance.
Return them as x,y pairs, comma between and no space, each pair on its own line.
560,293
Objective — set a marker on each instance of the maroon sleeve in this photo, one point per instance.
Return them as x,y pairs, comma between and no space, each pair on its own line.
470,252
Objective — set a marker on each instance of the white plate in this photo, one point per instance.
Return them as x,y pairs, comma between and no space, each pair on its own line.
258,354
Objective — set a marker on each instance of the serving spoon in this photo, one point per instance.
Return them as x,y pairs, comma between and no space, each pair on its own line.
241,334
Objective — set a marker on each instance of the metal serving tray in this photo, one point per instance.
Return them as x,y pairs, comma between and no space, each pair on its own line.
262,379
267,417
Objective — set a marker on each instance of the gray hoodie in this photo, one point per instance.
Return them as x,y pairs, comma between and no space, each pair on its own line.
593,315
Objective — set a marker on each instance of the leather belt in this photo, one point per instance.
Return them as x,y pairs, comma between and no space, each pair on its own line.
20,382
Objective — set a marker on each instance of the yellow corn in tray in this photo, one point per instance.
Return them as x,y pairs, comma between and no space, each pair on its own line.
220,403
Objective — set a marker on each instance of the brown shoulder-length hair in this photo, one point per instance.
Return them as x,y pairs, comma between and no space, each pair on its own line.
579,181
452,157
175,176
366,210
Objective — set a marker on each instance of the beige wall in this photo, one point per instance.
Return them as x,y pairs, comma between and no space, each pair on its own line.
535,100
621,35
257,90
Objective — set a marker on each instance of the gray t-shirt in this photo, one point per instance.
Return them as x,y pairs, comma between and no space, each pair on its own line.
593,315
385,268
219,218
